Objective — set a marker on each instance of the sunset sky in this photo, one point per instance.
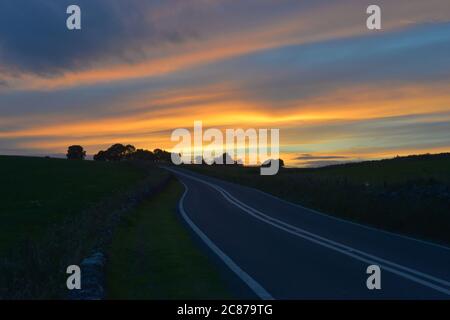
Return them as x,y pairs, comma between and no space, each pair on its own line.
139,69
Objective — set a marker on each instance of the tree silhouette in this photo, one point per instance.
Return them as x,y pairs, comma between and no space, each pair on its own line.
100,156
162,155
119,152
76,153
116,152
141,154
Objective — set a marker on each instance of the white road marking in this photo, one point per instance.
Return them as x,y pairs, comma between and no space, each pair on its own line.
344,249
428,243
245,277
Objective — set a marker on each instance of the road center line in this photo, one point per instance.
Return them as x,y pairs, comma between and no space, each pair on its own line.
404,272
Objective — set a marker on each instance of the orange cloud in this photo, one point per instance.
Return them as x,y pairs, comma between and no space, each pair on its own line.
302,123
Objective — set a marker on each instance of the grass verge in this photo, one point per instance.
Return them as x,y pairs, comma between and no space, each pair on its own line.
153,256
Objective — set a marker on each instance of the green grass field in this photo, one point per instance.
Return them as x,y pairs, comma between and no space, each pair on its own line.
54,212
152,256
38,193
409,195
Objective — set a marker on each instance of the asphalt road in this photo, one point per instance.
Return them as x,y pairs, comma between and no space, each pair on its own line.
280,250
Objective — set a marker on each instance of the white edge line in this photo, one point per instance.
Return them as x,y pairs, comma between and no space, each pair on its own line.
330,246
334,243
441,246
245,277
348,253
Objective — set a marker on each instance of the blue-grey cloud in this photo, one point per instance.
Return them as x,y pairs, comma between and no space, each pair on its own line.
34,37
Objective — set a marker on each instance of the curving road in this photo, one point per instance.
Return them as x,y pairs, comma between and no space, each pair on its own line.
280,250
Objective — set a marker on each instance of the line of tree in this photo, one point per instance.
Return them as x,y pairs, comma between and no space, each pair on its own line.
119,152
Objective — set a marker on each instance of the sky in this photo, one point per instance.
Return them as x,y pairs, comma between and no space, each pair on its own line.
139,69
